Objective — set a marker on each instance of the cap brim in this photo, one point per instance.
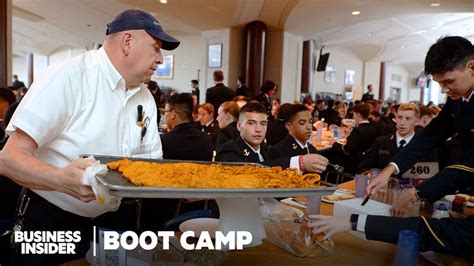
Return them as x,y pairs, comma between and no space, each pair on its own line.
169,42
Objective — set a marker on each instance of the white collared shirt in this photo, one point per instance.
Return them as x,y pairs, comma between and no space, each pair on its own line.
407,139
304,147
468,98
82,107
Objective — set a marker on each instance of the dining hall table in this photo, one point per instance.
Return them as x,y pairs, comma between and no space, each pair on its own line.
348,250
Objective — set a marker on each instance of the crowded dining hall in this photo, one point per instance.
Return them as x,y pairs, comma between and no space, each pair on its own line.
237,132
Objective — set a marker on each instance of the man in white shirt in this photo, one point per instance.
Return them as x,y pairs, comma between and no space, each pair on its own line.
87,105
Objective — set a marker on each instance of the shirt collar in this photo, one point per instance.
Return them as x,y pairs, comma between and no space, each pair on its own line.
113,77
301,145
407,139
468,98
210,122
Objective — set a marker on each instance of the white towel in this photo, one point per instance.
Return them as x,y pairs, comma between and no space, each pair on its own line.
101,194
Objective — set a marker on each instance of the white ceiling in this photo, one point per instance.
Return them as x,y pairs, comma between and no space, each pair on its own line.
398,31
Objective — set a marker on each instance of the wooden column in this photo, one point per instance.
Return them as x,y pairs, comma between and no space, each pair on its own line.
382,81
29,65
4,80
254,56
307,67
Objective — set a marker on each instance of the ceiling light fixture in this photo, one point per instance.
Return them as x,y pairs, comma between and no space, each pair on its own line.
435,4
164,1
356,12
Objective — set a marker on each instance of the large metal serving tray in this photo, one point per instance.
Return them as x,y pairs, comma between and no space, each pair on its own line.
120,186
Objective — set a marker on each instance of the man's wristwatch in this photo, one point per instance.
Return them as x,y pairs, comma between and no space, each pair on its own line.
354,220
418,194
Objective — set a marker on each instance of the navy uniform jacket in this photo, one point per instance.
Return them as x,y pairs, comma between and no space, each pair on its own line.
236,150
212,130
288,147
456,234
217,95
227,133
186,142
267,102
358,143
383,150
456,117
244,91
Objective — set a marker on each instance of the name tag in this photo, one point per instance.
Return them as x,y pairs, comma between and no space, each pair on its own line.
384,152
348,122
422,170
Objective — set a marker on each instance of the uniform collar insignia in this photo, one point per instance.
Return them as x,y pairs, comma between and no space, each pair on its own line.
293,146
246,153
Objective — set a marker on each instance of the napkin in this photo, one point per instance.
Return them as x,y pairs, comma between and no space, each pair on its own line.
89,179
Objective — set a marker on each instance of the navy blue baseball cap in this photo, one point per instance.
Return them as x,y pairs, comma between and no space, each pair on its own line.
141,20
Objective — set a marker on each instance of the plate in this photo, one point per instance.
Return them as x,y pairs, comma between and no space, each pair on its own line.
338,192
200,225
451,198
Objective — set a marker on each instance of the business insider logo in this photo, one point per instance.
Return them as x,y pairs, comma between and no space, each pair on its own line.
47,242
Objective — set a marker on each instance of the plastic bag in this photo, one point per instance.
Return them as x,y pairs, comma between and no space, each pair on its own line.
287,228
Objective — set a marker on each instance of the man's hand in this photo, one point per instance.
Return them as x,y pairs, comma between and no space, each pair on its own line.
69,180
314,163
403,203
329,224
381,179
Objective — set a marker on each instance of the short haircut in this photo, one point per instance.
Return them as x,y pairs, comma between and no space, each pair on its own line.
410,107
7,95
319,101
308,100
267,86
291,112
218,75
9,113
208,107
182,104
375,114
282,110
152,85
252,107
448,54
194,81
362,109
424,110
232,108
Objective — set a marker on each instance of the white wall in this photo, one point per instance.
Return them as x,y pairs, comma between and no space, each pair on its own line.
403,83
63,53
19,67
340,59
291,68
212,37
187,61
372,76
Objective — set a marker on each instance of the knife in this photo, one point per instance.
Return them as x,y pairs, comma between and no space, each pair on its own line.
365,200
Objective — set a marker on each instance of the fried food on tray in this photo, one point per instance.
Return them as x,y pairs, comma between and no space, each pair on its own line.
192,175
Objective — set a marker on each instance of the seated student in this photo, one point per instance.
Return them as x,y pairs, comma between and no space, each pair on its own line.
227,116
381,127
184,141
249,146
298,121
276,130
207,123
358,142
385,147
426,115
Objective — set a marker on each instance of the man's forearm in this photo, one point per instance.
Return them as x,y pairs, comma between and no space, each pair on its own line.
25,169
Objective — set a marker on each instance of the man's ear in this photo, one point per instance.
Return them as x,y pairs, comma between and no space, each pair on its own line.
126,43
288,126
238,125
470,66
